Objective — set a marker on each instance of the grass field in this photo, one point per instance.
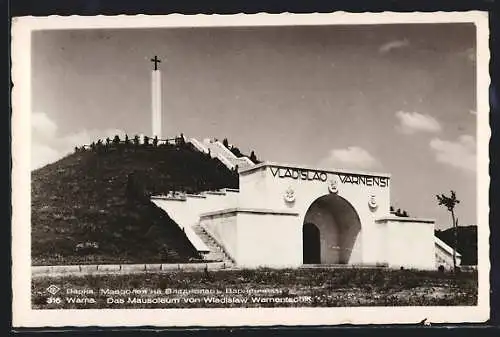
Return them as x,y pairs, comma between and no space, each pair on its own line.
259,288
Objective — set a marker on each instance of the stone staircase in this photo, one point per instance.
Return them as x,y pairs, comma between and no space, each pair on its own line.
218,150
217,253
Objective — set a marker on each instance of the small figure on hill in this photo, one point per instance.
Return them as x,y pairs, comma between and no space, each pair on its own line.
253,157
225,143
146,140
127,141
155,141
399,212
136,140
108,141
236,151
206,274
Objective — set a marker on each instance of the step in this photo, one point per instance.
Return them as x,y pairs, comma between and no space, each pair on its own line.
216,251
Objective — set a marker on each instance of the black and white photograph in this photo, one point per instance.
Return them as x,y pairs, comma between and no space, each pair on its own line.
268,169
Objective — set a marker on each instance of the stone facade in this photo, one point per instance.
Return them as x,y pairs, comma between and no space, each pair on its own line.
289,215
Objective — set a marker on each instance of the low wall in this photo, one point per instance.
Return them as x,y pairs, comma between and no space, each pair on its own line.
409,242
104,269
184,217
177,210
257,237
269,239
187,212
444,254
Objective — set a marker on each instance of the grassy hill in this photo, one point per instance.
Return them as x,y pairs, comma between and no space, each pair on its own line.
93,207
467,242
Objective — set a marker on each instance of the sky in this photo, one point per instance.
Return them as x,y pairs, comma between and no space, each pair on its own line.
388,98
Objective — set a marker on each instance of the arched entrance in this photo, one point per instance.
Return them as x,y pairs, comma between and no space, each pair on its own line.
331,230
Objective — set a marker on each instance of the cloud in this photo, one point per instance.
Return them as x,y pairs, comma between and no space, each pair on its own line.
353,157
42,155
460,153
47,146
412,122
42,126
395,44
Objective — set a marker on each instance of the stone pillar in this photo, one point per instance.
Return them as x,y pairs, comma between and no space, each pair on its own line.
156,103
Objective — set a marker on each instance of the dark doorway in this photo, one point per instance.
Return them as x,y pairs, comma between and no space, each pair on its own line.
312,248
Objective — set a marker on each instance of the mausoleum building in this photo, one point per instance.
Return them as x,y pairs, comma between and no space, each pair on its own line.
291,215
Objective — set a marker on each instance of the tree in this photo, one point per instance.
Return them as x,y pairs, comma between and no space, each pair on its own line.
391,210
99,146
136,140
450,203
405,214
225,143
116,140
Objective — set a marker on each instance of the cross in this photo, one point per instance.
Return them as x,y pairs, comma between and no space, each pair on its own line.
156,60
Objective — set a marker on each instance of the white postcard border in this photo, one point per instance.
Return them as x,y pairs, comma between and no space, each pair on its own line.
24,316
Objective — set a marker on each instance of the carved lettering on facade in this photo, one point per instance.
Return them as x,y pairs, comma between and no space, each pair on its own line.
364,180
294,173
305,174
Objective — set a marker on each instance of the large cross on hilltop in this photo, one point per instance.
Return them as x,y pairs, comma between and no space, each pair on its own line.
156,98
156,60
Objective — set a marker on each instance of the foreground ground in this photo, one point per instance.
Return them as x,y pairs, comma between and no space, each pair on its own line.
258,288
